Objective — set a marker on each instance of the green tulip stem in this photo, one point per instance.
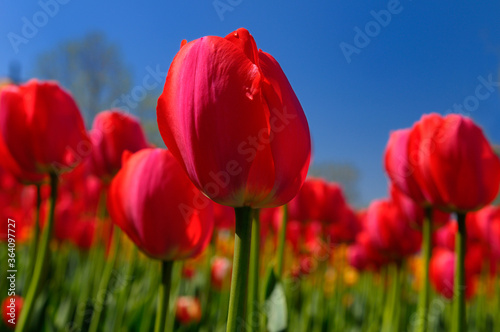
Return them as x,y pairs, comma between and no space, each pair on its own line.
281,243
241,259
459,321
423,303
105,280
42,261
164,295
253,283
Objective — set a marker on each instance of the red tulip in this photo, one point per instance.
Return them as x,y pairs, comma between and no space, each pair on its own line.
442,268
390,231
364,254
224,216
272,217
231,118
313,242
11,309
41,130
455,165
294,234
484,225
188,272
114,132
400,168
17,203
308,204
445,236
83,234
334,210
152,200
188,310
415,213
220,272
346,229
317,200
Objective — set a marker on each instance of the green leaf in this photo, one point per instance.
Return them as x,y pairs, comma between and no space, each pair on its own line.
275,304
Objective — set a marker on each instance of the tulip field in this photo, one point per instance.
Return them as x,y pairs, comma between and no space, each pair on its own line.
224,230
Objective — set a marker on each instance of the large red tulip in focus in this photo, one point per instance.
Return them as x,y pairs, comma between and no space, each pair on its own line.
153,201
231,118
455,165
114,132
41,130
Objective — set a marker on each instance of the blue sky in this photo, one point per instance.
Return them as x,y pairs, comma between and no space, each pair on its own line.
428,58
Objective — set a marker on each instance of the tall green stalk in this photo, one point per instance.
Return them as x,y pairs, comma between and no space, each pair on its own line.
241,259
42,260
390,321
459,321
104,284
36,229
423,302
281,243
253,283
164,295
124,294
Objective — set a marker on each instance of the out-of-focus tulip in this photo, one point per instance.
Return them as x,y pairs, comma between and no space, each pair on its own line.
224,216
272,217
390,231
114,132
442,269
364,254
231,118
17,202
399,166
294,234
455,165
11,309
346,229
220,272
188,310
334,205
188,272
308,204
485,224
83,234
153,201
41,130
313,239
317,200
415,213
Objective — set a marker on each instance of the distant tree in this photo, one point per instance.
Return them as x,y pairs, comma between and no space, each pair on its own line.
91,68
345,174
